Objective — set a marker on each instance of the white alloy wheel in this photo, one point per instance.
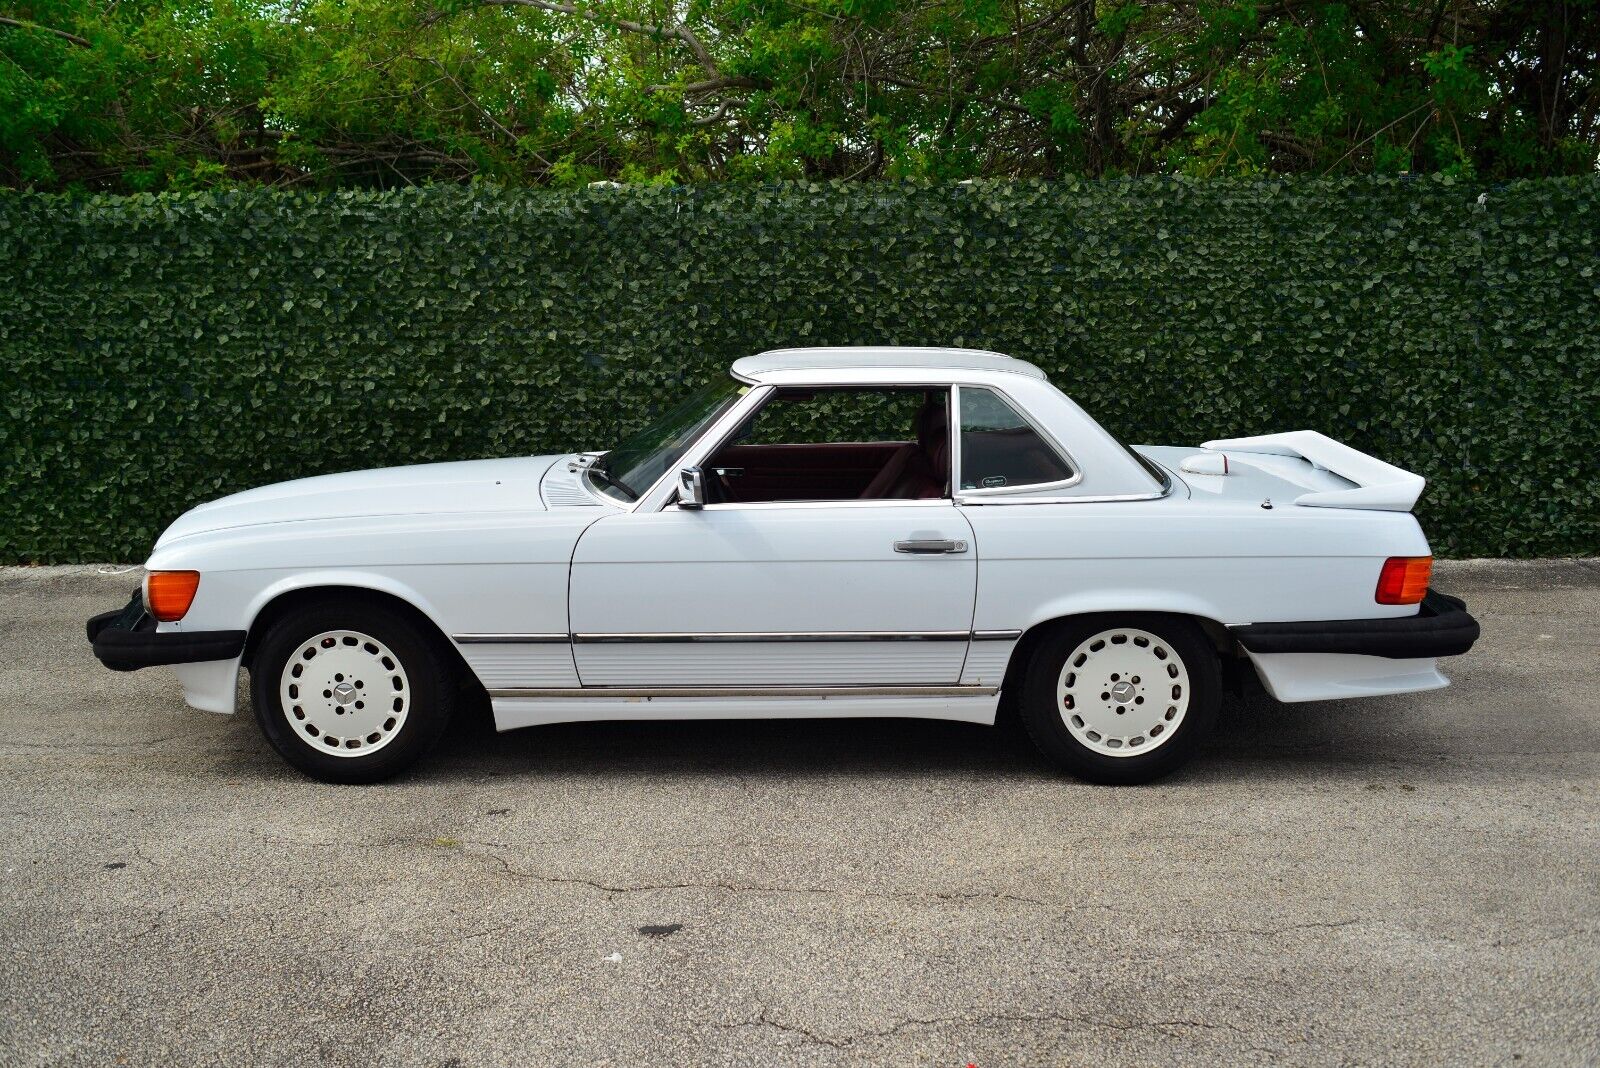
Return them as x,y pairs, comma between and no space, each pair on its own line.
1123,692
345,692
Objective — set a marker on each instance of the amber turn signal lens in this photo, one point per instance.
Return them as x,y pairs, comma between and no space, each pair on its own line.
1404,579
168,594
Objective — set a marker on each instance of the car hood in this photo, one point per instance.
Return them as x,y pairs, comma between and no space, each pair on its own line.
466,486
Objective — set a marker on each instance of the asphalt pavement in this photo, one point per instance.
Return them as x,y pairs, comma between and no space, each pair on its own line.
1407,880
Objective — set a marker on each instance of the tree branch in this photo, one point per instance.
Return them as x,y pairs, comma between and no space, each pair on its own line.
709,85
715,117
677,31
1181,117
73,38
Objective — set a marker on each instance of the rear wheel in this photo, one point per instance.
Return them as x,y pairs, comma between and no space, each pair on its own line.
1122,699
350,693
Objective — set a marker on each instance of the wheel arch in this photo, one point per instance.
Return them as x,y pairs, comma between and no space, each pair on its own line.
1022,653
277,601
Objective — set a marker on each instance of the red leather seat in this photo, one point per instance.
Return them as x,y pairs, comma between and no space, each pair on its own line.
919,470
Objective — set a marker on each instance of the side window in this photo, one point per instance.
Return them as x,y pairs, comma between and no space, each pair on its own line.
882,443
1000,449
834,416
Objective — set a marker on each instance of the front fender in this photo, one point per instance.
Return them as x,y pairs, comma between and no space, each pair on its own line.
356,578
234,600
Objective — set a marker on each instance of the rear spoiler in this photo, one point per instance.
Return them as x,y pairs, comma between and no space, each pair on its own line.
1377,485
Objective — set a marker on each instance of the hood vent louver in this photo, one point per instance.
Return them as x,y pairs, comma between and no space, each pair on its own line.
561,489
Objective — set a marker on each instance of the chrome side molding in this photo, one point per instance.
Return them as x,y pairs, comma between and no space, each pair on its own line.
776,636
748,691
511,639
671,637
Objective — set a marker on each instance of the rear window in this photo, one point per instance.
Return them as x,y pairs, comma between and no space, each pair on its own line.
1000,449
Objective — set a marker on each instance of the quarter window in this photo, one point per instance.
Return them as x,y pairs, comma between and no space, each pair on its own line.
1000,449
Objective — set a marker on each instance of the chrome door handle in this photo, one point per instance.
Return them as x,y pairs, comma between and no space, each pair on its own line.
930,546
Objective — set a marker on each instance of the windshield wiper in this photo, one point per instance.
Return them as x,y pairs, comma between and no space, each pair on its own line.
602,475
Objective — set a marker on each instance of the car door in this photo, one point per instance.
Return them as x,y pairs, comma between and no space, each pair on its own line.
792,594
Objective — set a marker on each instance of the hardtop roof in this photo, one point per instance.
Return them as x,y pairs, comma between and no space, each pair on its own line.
936,363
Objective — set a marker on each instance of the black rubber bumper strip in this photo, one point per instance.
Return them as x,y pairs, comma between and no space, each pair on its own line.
1441,627
127,640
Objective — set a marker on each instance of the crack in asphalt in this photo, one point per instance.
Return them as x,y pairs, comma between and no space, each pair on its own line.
1273,932
98,747
507,868
616,888
761,1019
751,888
167,918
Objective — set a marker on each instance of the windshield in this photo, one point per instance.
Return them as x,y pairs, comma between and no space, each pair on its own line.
635,465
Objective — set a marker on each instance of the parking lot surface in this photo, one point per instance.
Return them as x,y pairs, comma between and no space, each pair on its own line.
1397,880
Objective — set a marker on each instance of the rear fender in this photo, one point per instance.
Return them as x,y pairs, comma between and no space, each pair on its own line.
1169,602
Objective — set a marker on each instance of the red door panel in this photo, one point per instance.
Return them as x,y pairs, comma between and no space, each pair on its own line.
803,472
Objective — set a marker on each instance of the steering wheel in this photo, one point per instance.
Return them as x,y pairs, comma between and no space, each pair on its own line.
724,489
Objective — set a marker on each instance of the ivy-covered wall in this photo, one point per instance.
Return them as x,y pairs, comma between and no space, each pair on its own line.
162,351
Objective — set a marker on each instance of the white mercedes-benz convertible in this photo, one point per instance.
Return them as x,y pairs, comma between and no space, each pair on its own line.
829,532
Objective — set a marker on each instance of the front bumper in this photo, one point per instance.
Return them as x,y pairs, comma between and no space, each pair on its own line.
127,640
1441,627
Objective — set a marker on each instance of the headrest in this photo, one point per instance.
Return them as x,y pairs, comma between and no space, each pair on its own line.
933,424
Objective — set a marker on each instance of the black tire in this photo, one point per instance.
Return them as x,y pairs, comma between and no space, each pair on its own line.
430,691
1044,720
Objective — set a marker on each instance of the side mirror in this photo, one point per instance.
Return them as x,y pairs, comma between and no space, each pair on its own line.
691,488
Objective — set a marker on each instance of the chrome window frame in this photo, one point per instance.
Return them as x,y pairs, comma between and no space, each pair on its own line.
1062,452
671,474
664,490
879,502
663,493
724,429
1086,498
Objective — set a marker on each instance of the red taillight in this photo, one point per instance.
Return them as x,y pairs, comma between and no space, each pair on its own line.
168,594
1404,579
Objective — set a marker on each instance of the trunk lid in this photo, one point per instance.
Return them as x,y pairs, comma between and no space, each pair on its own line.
1247,481
1273,468
1369,483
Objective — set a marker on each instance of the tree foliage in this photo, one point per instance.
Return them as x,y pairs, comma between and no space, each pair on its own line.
175,94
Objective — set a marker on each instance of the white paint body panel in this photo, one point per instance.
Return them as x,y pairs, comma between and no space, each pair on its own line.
212,686
1374,484
540,664
794,570
1214,560
519,555
1332,676
987,662
462,487
513,712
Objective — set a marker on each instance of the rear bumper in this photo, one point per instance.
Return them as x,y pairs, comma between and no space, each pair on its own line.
1441,627
127,640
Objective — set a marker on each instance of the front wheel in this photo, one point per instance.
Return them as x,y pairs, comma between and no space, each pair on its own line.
349,692
1122,699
